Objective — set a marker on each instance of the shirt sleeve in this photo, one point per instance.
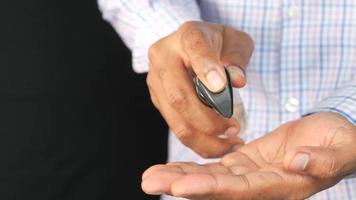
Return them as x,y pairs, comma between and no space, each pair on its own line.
140,23
341,101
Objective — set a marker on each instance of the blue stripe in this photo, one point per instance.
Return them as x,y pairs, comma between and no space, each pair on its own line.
340,97
282,24
321,50
262,60
301,55
342,54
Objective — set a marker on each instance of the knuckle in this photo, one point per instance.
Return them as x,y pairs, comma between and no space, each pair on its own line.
154,50
151,52
243,37
330,170
208,129
162,72
247,37
189,25
193,38
184,134
177,98
192,34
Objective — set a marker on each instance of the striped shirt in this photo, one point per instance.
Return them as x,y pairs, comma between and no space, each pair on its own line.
304,59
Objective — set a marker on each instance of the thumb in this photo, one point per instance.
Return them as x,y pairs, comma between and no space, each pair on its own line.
202,46
319,162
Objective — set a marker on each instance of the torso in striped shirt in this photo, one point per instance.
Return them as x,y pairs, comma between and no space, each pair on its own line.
304,51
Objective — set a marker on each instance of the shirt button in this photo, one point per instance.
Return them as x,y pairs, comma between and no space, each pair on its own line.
293,11
292,105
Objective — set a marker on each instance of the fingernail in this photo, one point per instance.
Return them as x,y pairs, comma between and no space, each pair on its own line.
215,81
223,136
236,72
232,131
300,162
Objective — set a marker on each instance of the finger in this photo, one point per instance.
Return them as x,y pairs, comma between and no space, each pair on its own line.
319,162
236,52
180,99
184,123
198,181
159,183
157,179
182,109
178,88
207,146
258,185
159,168
237,75
202,45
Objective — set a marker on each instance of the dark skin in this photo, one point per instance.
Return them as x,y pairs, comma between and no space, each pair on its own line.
201,49
298,159
266,168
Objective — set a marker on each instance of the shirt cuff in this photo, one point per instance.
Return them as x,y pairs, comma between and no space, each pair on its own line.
342,101
158,23
140,23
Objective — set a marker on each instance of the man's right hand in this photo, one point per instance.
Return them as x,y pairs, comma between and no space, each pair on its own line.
198,49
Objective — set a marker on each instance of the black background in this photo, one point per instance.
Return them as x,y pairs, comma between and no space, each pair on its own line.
75,121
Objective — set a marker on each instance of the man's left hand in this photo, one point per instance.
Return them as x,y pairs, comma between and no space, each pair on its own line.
295,161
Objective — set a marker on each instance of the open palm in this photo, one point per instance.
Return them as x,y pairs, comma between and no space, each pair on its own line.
267,168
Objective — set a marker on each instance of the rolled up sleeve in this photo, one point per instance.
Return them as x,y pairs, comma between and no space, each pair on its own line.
341,101
140,23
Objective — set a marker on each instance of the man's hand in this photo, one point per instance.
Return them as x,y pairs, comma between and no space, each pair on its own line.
293,162
201,49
